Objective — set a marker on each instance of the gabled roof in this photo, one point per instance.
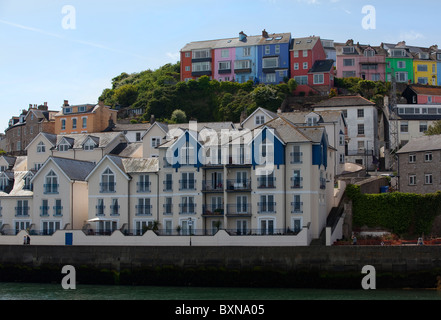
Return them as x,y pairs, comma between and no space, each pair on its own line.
306,43
270,114
425,89
74,170
345,101
51,138
102,138
425,143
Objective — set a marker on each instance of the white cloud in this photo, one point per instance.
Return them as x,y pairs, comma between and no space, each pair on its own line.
411,35
173,56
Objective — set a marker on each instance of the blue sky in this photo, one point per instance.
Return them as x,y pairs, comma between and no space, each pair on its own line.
44,59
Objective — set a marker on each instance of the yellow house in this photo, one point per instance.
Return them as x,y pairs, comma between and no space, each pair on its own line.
425,69
86,118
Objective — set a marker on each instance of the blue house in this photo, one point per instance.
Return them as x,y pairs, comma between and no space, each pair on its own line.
273,61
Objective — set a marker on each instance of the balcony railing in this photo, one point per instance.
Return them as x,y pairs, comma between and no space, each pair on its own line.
212,210
212,186
239,209
322,183
239,185
296,182
144,210
44,211
144,186
50,188
114,210
186,208
266,207
296,207
100,210
21,211
296,157
168,209
168,185
187,184
266,182
58,211
107,187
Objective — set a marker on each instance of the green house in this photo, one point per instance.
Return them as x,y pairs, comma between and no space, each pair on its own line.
399,61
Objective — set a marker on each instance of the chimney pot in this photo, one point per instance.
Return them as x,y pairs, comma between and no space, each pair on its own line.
66,103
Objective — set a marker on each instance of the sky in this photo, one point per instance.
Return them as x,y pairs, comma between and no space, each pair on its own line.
56,50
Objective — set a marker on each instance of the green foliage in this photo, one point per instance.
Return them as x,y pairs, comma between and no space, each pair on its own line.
402,213
178,116
434,129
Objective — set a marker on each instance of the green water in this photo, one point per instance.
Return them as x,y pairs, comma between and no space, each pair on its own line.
27,291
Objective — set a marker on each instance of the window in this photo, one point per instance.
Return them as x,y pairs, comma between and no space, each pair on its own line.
201,54
412,180
100,207
271,62
277,49
144,183
67,110
342,158
89,145
301,79
247,52
267,204
267,226
412,158
155,142
188,181
296,180
398,53
187,154
225,53
267,50
428,178
360,129
423,126
143,207
201,66
242,205
114,208
168,183
296,66
187,68
360,145
401,64
63,124
423,80
4,182
360,113
224,65
64,146
260,119
22,208
297,204
58,208
270,77
168,206
187,205
27,180
422,68
242,64
305,65
44,209
188,54
319,78
49,227
74,123
296,156
369,53
51,185
428,157
348,50
107,181
348,74
305,53
81,109
404,127
348,62
296,53
84,120
41,147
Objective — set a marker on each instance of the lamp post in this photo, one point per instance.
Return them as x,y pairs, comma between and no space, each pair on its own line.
190,224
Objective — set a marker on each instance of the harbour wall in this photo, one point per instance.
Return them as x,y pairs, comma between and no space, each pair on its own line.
303,267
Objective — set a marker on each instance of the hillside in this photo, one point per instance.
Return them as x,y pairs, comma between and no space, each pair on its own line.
160,92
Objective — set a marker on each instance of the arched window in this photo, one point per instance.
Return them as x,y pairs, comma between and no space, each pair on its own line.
51,185
41,147
107,181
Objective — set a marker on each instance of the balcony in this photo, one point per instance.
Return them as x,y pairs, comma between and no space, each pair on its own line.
239,185
297,207
22,211
296,157
58,211
143,210
212,186
239,209
266,183
107,187
187,184
296,182
143,187
50,188
212,210
187,208
266,207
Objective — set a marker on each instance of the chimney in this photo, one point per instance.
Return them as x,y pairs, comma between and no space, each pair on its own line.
66,103
43,107
152,119
243,116
264,33
242,37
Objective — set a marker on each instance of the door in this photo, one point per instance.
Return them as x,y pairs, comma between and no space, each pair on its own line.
241,227
241,204
267,226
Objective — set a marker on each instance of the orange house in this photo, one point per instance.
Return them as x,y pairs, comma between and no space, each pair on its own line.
85,118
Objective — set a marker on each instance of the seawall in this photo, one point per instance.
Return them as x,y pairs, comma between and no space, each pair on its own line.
297,267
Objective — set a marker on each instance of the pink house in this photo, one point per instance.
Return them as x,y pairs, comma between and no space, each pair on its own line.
224,64
422,94
361,61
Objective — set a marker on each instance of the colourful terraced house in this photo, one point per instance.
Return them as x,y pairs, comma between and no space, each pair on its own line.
262,59
399,62
424,66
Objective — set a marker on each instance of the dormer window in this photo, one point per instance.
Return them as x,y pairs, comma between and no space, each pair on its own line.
369,53
311,121
64,146
348,50
424,55
67,110
28,184
89,145
260,120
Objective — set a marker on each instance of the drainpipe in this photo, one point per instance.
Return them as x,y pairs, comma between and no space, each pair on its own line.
157,196
128,206
71,205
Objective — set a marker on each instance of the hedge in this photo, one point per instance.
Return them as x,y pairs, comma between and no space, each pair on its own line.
401,213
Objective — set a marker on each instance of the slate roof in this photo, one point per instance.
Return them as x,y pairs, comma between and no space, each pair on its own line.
17,183
77,140
425,89
425,143
345,101
74,169
306,43
322,66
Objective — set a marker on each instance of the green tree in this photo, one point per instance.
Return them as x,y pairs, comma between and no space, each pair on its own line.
434,129
126,95
178,116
